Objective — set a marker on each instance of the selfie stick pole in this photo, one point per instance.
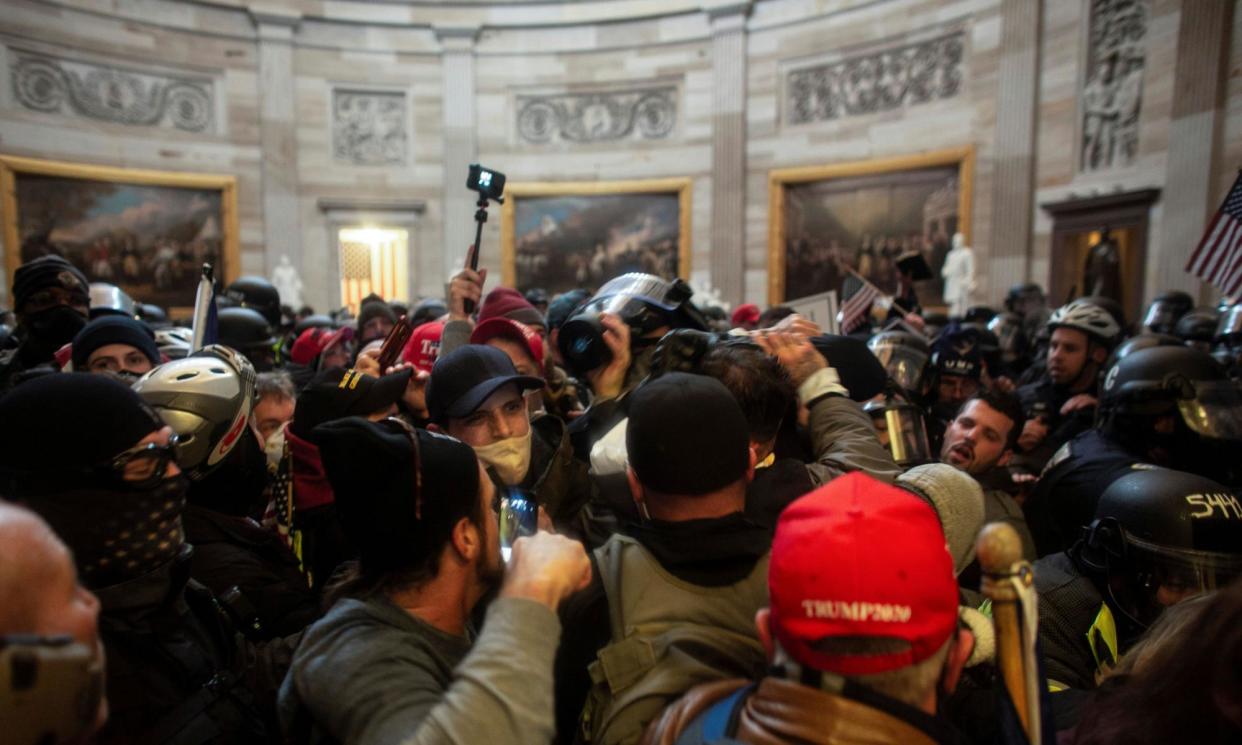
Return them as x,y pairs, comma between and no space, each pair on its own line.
480,217
1009,583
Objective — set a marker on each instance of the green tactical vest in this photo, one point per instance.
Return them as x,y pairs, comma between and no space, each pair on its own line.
667,637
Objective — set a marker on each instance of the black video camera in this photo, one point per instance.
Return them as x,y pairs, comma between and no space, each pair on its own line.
488,183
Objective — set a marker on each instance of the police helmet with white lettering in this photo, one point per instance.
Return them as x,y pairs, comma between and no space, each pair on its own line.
1166,535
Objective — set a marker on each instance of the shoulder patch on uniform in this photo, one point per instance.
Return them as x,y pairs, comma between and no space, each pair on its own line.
1057,458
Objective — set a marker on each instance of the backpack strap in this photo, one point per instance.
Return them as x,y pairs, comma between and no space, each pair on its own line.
719,721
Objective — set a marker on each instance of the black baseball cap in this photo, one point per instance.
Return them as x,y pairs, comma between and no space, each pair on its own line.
399,490
686,435
463,379
339,392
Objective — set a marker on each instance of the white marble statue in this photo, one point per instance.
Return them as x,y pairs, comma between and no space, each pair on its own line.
287,282
959,276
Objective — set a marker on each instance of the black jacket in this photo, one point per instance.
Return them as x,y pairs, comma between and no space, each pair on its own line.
235,552
1070,487
710,553
177,672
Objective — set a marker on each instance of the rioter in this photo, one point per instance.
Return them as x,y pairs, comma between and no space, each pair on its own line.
835,675
673,598
302,502
117,345
44,607
770,383
175,662
207,398
980,440
395,659
51,301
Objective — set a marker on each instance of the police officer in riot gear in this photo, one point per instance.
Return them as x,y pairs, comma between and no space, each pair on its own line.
1159,537
1164,405
247,331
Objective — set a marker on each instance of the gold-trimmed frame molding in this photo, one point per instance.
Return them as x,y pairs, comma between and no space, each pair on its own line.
12,165
683,187
778,179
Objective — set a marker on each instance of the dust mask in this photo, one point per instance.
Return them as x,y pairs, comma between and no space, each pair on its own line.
510,458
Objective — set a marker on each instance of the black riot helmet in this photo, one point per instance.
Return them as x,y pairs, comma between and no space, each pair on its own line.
644,302
313,321
1198,328
259,294
904,357
248,332
1183,386
1161,536
1010,337
1163,313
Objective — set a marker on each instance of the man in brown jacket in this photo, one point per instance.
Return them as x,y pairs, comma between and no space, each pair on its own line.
859,653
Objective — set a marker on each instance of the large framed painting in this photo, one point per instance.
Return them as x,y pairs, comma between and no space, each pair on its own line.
148,232
563,235
828,220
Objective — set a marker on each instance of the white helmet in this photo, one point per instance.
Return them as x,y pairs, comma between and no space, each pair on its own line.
206,398
1088,318
174,343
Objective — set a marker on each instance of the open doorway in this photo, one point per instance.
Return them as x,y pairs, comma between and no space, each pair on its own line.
373,260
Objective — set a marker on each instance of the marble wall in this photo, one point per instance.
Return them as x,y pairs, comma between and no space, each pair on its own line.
331,113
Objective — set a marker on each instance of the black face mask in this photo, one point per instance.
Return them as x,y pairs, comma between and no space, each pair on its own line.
49,330
117,533
237,486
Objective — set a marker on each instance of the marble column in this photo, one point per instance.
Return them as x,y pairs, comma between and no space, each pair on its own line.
728,235
1008,254
460,145
282,232
1189,193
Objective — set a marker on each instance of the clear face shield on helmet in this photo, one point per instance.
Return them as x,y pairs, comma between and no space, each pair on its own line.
1214,411
1161,317
1161,576
900,428
904,364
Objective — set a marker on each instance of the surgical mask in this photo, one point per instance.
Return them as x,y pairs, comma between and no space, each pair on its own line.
274,448
510,458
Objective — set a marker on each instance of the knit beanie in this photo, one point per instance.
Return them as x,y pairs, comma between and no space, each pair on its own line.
45,272
958,500
107,330
506,302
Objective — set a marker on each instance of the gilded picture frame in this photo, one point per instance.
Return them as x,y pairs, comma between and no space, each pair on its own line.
958,161
145,231
581,233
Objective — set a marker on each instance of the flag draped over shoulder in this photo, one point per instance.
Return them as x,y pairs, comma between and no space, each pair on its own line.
1218,258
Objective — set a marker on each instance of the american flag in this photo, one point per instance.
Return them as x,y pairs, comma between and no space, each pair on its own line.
859,296
1218,259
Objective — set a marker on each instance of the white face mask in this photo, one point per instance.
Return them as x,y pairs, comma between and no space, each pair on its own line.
274,448
510,458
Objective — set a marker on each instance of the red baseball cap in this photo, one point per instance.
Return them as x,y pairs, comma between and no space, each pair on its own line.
745,315
509,329
312,342
423,347
860,558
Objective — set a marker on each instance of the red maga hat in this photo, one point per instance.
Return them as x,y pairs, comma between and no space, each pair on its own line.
860,558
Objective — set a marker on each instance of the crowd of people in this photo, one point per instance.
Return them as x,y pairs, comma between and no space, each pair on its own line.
610,517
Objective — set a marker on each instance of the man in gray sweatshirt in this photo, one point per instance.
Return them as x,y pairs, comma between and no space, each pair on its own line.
395,660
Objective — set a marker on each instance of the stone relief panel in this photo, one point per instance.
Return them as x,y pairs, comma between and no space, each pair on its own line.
879,81
601,116
369,128
1112,91
56,85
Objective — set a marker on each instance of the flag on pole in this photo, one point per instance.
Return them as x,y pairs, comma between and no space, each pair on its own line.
1218,259
205,325
859,295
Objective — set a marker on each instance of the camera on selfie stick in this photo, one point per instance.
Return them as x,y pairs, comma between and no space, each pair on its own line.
490,186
